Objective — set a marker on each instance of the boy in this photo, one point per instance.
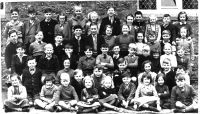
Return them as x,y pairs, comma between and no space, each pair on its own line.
48,63
139,22
183,96
181,70
17,96
31,79
115,56
66,96
104,60
47,26
152,41
155,60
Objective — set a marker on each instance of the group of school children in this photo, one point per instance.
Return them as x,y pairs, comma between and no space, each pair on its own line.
86,65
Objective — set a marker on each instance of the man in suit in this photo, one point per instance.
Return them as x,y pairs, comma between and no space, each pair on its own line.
112,20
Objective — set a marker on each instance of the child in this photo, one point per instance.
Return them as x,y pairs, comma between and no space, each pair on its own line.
129,22
163,91
48,94
140,43
36,48
48,63
67,97
98,76
89,96
104,60
66,69
146,96
124,39
186,42
183,96
77,82
126,90
11,48
169,73
107,96
49,23
109,39
168,54
181,70
153,27
132,59
147,69
152,41
139,22
17,96
155,59
87,62
115,56
19,60
31,79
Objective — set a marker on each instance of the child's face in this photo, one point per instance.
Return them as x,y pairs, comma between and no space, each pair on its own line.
66,64
125,29
88,83
88,53
183,32
166,66
182,17
48,51
20,51
32,16
15,15
140,37
132,50
78,11
146,81
129,19
111,12
98,72
15,81
93,17
152,38
160,81
116,50
78,32
65,80
48,15
167,50
138,17
156,55
68,50
166,20
152,20
104,50
180,83
14,37
78,77
147,67
108,83
126,80
39,36
166,37
62,18
108,31
180,52
58,39
32,63
93,29
146,52
122,65
180,70
48,83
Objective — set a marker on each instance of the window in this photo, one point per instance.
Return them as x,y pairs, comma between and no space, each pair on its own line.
147,4
190,4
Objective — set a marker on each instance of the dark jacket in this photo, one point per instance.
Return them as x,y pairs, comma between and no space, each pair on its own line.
103,93
17,66
9,52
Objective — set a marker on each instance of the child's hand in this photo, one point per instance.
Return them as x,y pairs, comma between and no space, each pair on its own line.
89,100
174,43
165,92
134,79
103,64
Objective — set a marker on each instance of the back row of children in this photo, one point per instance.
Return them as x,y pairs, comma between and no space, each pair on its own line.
99,57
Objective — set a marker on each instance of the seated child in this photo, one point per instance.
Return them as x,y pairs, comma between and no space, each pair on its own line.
163,91
146,96
19,60
115,56
181,70
48,95
126,91
31,79
152,41
17,96
155,60
77,82
48,62
67,97
89,96
98,76
87,62
183,96
140,43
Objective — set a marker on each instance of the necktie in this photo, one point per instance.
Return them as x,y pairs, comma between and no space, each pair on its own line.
79,44
95,42
16,90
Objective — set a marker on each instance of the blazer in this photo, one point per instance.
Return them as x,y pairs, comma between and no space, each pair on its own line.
17,66
83,43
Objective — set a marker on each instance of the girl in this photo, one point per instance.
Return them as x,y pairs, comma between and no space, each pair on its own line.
147,69
48,94
17,96
129,22
140,43
163,91
124,39
98,76
109,39
146,96
153,26
89,96
107,94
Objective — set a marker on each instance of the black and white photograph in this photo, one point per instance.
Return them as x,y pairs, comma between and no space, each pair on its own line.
106,57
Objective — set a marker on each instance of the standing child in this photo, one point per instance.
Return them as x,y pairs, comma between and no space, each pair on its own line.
126,90
183,96
140,42
98,76
155,60
48,94
146,96
67,97
129,22
109,39
17,96
139,22
153,43
115,56
163,91
31,79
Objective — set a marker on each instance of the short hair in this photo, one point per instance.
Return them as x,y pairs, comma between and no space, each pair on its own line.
66,75
15,9
138,13
93,13
179,48
77,27
153,17
68,44
31,9
121,60
180,77
62,14
146,75
98,67
48,10
167,60
89,78
126,74
181,67
58,34
129,15
160,75
166,32
109,26
152,33
132,45
38,32
31,58
87,47
106,78
104,46
48,46
145,62
15,74
180,13
49,78
20,45
166,15
167,44
155,50
12,31
78,71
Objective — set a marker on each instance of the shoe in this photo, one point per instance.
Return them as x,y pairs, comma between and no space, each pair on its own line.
178,111
57,108
151,108
25,109
37,107
7,109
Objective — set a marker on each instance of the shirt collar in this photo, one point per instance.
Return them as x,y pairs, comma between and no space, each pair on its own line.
183,23
48,57
78,38
47,20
